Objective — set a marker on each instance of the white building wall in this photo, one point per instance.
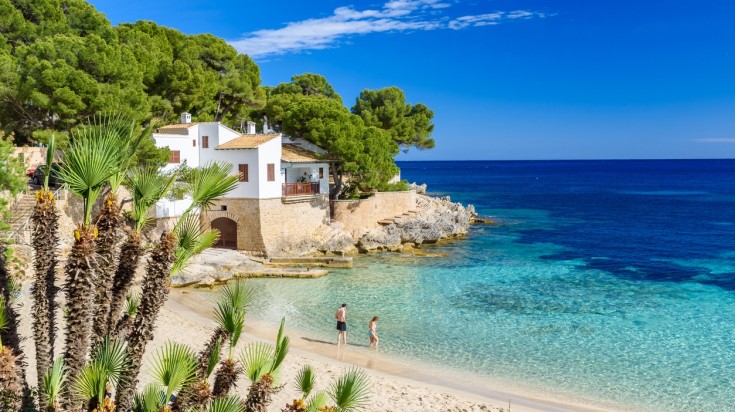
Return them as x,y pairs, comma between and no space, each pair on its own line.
184,143
269,152
172,208
249,157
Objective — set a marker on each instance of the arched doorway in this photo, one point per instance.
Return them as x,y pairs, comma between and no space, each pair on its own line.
227,232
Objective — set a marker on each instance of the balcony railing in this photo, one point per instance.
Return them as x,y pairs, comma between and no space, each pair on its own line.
300,189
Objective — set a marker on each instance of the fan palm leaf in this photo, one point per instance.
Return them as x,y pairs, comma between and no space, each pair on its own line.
192,240
351,391
224,404
150,400
173,366
256,358
281,349
210,182
318,401
238,294
305,381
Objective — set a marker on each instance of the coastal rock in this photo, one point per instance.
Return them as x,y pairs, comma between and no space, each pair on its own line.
419,188
214,266
327,239
436,219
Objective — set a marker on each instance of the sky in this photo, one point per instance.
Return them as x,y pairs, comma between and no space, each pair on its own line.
506,79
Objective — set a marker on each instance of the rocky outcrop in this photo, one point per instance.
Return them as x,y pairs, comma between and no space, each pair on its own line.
328,239
435,219
214,266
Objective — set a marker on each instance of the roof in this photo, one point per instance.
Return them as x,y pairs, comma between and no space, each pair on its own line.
292,153
178,126
248,141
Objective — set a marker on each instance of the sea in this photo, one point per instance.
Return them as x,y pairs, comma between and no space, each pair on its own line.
610,281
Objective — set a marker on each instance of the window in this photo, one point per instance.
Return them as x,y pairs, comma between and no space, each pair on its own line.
194,143
223,208
321,173
205,142
271,172
243,173
175,157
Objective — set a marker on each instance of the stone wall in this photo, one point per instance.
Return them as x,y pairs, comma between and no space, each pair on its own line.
358,216
272,226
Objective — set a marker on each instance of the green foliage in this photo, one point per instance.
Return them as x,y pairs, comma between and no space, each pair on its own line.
174,365
62,62
192,240
231,319
93,157
238,294
3,318
409,125
12,177
210,182
53,381
150,400
105,368
256,359
50,151
305,381
228,403
213,358
400,186
351,391
132,302
147,186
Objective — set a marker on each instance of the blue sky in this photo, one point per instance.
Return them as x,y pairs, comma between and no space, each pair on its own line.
507,79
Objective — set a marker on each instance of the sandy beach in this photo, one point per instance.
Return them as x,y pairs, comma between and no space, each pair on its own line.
395,387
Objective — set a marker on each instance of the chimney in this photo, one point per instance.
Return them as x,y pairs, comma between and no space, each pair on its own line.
185,118
251,127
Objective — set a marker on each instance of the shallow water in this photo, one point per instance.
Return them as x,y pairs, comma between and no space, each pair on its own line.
609,280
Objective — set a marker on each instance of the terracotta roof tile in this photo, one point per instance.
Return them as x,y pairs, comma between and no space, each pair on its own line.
247,141
178,126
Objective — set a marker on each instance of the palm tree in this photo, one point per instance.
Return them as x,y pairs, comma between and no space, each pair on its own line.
45,238
169,256
11,381
110,219
12,353
305,385
234,296
150,400
231,319
262,362
91,159
173,367
93,386
147,186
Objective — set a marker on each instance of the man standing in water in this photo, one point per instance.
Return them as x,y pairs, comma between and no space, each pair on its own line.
341,323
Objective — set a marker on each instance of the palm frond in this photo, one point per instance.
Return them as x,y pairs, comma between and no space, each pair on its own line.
210,182
238,294
91,383
282,346
351,391
132,302
53,381
3,315
124,129
231,320
317,402
150,400
174,366
213,359
305,381
50,149
92,157
256,359
147,186
113,357
192,240
228,403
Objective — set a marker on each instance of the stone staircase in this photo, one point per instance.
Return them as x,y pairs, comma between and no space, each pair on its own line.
392,220
20,216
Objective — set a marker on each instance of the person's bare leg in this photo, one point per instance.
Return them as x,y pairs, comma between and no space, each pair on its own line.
339,335
345,335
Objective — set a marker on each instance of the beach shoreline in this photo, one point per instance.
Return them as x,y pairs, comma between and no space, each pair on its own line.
469,389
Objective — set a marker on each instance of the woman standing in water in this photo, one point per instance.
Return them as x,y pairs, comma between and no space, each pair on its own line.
373,334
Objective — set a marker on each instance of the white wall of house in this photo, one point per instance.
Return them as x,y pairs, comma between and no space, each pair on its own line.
270,153
172,208
184,143
237,157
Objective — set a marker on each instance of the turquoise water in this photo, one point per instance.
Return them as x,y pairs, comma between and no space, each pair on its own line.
613,282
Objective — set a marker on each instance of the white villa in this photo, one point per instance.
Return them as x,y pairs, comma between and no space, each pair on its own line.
280,178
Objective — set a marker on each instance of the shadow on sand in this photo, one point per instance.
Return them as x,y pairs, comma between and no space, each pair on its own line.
330,343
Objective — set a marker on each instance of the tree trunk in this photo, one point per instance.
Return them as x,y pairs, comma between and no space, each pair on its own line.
9,335
226,377
45,239
338,183
107,240
154,295
130,253
81,269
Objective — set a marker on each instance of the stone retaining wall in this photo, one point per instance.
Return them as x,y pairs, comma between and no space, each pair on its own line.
358,216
